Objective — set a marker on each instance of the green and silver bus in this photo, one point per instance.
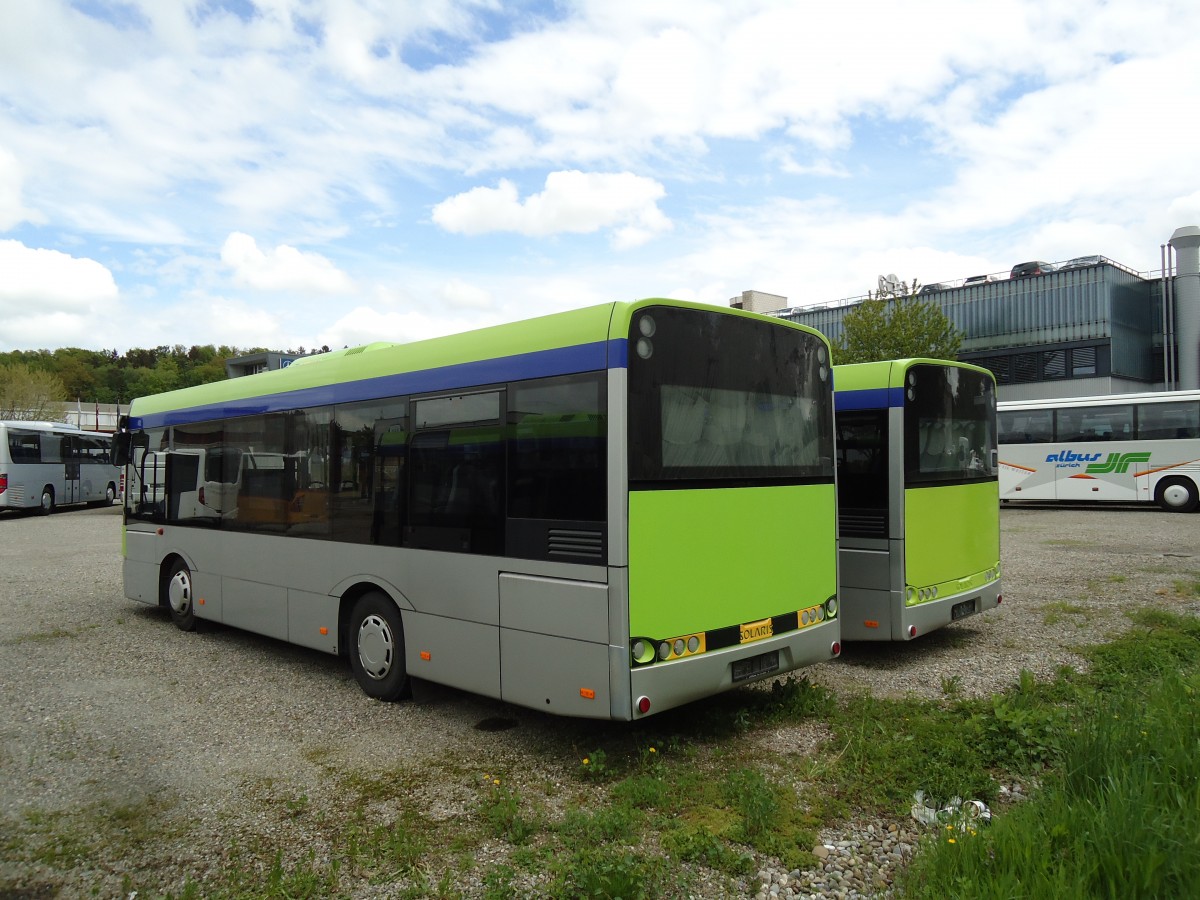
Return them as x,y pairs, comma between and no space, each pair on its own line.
607,512
918,496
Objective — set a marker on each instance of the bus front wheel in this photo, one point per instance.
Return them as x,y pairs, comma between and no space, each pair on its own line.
377,647
1177,495
178,590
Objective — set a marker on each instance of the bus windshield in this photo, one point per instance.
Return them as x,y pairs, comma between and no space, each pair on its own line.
720,398
949,426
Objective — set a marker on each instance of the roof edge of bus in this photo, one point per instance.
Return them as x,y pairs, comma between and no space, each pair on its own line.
29,423
633,305
868,375
357,363
1098,399
591,324
344,352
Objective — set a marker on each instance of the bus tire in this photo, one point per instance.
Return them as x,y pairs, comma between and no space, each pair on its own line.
1177,495
178,593
47,503
377,647
110,494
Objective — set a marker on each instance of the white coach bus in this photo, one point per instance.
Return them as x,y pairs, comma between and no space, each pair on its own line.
48,464
1124,447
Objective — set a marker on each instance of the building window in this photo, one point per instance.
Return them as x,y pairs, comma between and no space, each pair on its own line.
1025,368
1083,362
1054,364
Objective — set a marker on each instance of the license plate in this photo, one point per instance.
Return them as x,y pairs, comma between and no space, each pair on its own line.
962,610
756,631
756,665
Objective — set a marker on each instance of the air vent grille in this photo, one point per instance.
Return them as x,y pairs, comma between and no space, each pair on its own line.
864,523
573,542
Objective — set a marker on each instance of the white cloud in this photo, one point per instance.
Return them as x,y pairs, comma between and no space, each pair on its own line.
572,202
49,281
12,211
365,324
458,294
52,299
282,269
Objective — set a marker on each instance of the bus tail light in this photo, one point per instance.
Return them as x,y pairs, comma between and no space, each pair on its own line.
835,648
643,704
642,650
912,631
3,483
999,599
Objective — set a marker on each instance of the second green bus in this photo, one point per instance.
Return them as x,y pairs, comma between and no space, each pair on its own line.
918,496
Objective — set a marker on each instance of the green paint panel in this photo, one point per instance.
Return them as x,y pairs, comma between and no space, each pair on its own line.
950,531
704,559
862,376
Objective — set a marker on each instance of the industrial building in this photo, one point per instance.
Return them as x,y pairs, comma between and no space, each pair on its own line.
1082,327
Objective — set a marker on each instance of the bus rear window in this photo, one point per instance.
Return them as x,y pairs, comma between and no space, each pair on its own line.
950,425
718,397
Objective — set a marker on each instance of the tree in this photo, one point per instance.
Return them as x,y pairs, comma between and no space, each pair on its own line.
29,395
896,328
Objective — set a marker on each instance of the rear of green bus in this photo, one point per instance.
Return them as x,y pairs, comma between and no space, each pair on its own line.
731,568
918,491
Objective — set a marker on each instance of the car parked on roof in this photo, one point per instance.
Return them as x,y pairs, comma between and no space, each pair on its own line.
979,279
1025,269
1081,262
932,288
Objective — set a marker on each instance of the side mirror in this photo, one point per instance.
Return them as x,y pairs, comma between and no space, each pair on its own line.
124,442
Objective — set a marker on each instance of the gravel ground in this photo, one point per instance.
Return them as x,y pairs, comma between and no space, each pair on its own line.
180,748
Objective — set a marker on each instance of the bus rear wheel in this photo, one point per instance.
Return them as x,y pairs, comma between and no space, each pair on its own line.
377,647
178,591
47,504
1177,495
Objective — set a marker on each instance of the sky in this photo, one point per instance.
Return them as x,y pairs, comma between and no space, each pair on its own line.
298,173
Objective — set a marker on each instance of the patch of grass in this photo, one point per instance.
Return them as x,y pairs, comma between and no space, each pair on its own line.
1117,817
1159,643
619,823
1120,804
1187,588
391,848
278,880
500,808
608,871
42,637
1053,612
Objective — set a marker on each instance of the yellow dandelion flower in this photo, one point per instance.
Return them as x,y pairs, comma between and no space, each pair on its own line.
951,840
652,750
586,761
495,781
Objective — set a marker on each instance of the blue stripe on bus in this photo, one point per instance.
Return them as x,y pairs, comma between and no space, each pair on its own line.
538,364
872,398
